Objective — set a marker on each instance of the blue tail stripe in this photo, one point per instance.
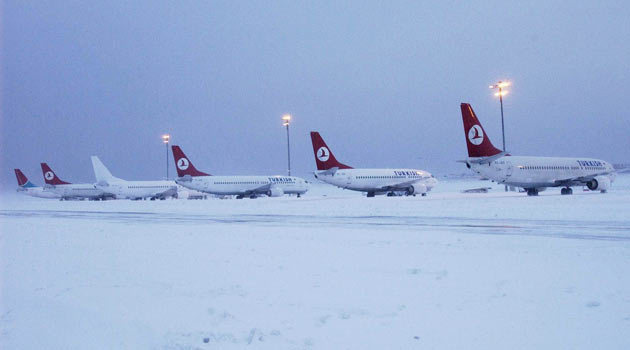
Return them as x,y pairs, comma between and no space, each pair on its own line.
28,184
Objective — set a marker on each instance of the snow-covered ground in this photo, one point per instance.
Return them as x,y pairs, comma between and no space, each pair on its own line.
331,270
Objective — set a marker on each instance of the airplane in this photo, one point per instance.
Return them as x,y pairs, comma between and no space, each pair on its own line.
241,186
67,190
534,174
29,188
373,181
123,189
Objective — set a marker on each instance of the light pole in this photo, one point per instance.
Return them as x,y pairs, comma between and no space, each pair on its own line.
165,139
501,85
286,120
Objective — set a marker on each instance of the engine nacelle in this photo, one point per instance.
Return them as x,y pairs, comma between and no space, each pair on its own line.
599,183
275,191
416,189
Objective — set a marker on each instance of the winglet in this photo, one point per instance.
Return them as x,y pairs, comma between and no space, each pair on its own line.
183,165
324,158
50,177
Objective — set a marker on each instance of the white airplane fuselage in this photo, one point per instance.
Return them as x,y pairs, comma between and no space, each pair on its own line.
379,181
541,172
78,191
123,189
272,186
39,192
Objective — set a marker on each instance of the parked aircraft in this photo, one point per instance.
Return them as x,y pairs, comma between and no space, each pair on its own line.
534,174
373,181
27,187
241,186
131,189
67,190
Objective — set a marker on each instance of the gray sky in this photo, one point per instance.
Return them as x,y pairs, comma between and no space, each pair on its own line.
382,82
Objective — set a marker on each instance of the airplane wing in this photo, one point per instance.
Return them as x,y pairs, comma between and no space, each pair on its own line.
270,189
578,181
262,189
403,186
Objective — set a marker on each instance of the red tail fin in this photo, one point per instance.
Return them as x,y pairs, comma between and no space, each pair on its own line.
50,177
183,165
478,142
324,158
21,178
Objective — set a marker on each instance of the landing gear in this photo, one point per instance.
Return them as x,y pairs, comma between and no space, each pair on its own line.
299,195
240,196
566,191
370,194
532,192
390,194
424,194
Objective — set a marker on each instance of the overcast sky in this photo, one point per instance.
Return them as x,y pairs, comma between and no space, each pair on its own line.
382,82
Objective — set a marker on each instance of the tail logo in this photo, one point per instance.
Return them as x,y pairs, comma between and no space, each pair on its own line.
183,163
475,135
323,154
49,175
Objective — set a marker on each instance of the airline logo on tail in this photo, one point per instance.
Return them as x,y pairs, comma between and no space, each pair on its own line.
49,175
182,164
323,154
475,135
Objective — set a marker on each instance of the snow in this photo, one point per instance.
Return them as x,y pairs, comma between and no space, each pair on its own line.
331,270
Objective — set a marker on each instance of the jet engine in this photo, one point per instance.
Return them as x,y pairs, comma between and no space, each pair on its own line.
416,189
275,191
599,183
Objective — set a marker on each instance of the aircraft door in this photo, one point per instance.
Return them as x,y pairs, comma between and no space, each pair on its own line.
119,191
508,169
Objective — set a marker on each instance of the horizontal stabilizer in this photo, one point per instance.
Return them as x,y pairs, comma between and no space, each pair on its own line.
484,160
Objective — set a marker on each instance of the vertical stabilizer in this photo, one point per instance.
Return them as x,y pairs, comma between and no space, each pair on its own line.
50,177
183,165
22,179
478,142
324,158
101,173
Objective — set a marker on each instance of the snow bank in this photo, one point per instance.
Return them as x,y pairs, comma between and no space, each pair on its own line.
451,270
